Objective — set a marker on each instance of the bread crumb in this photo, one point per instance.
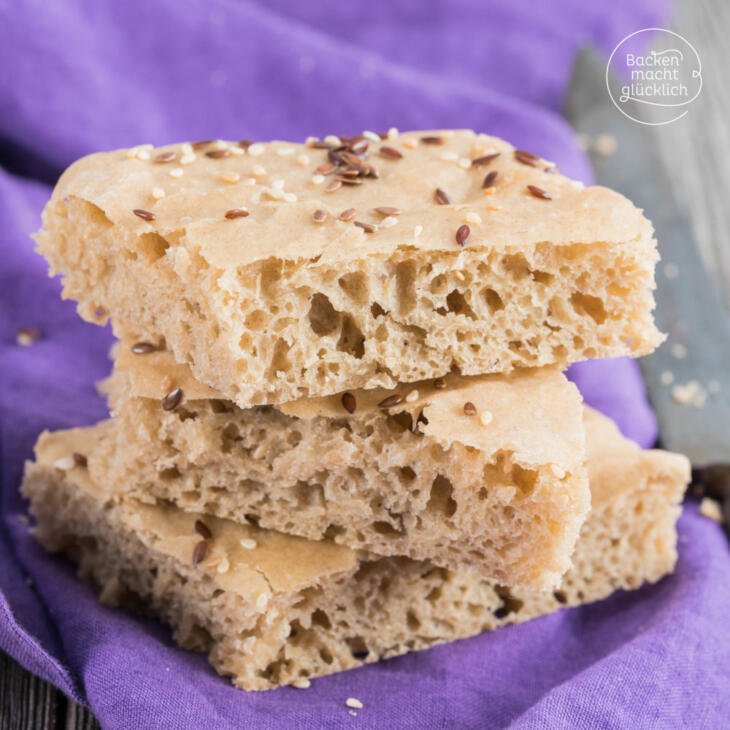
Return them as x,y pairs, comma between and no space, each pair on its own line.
691,393
605,145
671,271
711,509
26,336
667,377
679,351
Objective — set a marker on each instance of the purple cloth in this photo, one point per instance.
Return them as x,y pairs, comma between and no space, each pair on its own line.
80,76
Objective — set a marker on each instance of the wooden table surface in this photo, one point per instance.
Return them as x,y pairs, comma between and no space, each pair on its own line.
693,148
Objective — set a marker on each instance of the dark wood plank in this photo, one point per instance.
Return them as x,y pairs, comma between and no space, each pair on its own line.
29,703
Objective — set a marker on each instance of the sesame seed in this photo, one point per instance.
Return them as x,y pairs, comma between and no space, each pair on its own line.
64,464
237,151
367,227
539,192
333,140
409,143
348,402
256,149
449,156
334,185
462,234
248,544
348,214
711,509
261,601
388,222
158,193
389,153
230,177
470,409
143,155
143,348
432,140
319,216
189,147
486,418
236,213
392,133
303,160
199,552
441,197
484,159
417,231
371,136
387,210
26,336
223,566
80,460
278,184
354,703
473,218
490,179
317,179
412,396
492,206
164,157
439,383
172,400
145,215
202,529
187,159
459,275
301,683
390,401
526,158
258,170
311,140
465,163
176,172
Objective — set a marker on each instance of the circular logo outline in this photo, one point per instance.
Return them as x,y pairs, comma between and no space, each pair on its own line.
697,75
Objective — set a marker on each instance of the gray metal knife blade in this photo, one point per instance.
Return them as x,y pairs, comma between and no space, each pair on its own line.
689,309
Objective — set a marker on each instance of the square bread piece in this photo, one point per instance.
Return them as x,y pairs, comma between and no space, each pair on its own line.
279,271
502,489
271,609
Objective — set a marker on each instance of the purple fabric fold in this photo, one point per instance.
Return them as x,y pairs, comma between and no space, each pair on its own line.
80,76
